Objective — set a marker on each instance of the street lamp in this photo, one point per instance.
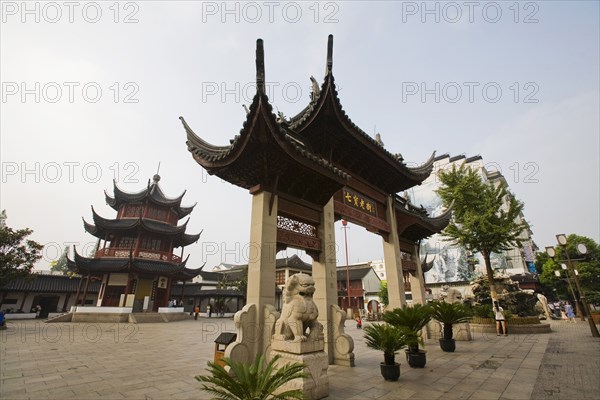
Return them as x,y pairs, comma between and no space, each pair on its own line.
558,275
581,249
345,227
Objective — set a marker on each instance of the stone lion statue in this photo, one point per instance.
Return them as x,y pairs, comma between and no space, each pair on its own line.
299,313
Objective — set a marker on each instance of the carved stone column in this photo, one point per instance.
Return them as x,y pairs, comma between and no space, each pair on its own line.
417,282
325,276
393,260
254,323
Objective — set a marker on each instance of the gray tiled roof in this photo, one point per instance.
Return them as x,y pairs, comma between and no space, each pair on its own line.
48,284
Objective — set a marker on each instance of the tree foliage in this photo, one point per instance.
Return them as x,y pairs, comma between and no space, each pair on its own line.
587,266
61,263
17,254
383,293
486,217
242,282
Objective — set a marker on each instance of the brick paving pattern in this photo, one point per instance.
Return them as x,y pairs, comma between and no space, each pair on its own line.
159,361
571,365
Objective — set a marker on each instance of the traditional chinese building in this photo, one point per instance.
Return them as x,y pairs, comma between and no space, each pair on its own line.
304,173
135,259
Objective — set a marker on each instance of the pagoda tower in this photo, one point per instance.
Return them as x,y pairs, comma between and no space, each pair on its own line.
135,258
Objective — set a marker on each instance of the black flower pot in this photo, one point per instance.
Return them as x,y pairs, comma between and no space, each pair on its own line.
416,359
448,345
390,372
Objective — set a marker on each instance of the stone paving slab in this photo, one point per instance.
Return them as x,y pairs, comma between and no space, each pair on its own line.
159,361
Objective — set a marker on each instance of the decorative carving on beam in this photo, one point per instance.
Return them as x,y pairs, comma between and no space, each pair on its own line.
298,234
360,217
296,226
298,240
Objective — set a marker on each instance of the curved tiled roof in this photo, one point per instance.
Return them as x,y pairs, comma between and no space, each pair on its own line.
206,153
86,265
265,135
152,193
328,94
49,284
418,224
105,226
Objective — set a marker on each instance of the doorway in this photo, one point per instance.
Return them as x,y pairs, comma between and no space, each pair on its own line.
48,303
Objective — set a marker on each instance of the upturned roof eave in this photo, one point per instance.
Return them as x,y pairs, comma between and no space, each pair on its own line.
328,93
205,154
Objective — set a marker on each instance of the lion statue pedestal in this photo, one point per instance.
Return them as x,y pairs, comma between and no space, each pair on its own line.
299,338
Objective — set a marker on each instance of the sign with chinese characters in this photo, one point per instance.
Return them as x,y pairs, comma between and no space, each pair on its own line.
359,201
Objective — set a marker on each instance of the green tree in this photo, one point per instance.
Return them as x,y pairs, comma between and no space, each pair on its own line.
486,217
383,293
17,254
254,381
587,266
242,282
61,264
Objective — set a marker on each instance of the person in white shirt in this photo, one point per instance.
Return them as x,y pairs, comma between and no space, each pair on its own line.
500,319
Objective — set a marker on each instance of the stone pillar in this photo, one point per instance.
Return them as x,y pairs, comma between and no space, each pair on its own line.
417,282
325,275
393,261
261,261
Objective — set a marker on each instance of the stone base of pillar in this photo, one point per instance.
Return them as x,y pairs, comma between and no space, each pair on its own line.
253,335
343,345
316,384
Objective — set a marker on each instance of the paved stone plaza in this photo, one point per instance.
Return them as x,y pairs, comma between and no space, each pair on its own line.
159,361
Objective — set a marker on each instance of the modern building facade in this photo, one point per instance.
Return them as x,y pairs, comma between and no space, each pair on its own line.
453,263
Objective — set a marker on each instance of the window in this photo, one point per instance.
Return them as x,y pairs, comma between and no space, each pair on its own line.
127,242
150,243
159,214
132,210
356,284
280,277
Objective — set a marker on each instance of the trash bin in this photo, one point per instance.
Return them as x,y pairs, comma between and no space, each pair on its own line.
221,343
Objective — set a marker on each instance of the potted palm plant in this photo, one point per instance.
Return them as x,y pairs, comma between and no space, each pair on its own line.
414,320
256,381
449,314
389,339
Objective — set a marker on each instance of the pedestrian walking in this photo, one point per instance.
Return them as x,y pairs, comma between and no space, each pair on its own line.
500,319
196,312
208,311
569,312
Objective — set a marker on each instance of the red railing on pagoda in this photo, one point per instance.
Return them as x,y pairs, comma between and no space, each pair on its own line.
149,254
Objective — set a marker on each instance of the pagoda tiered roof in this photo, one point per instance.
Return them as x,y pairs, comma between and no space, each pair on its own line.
86,265
311,155
103,226
153,194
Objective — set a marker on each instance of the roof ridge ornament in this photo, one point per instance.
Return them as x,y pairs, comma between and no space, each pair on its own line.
315,90
329,55
260,66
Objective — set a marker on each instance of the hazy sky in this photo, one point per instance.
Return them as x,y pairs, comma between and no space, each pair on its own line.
92,91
